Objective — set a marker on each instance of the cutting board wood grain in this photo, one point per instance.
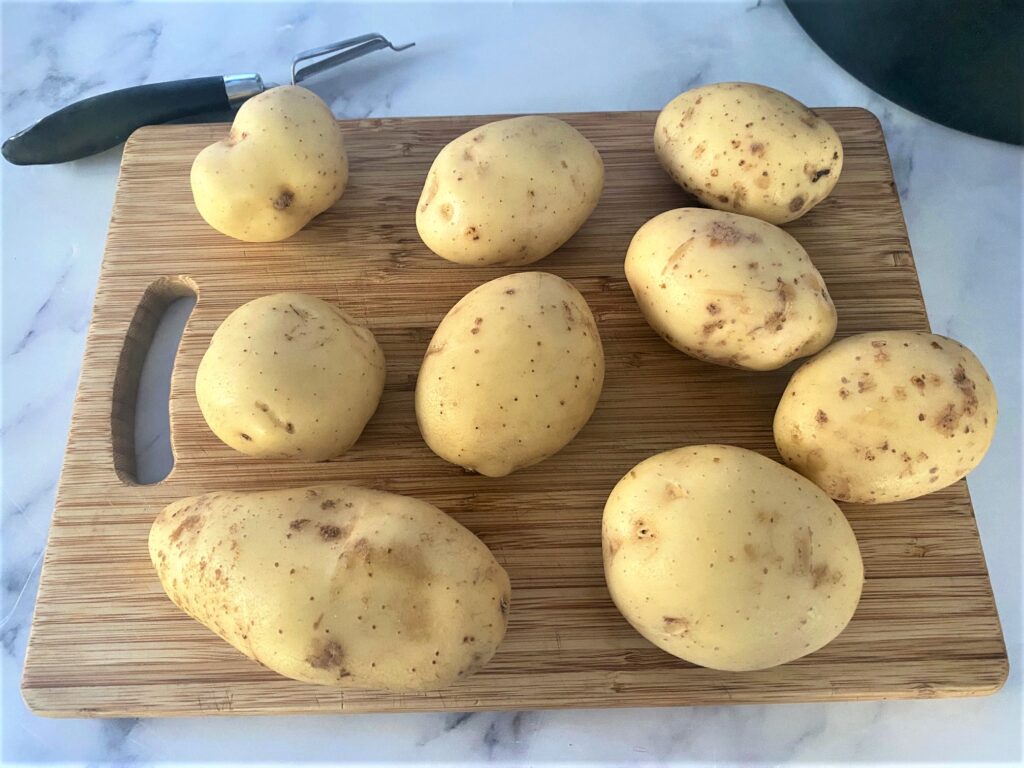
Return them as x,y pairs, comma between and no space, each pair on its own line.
106,641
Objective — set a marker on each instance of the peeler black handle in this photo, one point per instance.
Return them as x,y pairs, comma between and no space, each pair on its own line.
101,122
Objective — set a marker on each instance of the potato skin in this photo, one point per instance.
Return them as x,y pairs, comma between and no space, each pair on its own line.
509,192
729,560
336,585
283,163
290,376
729,289
749,149
512,374
887,416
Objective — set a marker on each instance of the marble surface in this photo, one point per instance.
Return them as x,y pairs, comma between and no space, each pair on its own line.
961,195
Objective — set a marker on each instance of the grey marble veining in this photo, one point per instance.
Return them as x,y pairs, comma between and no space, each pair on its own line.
962,198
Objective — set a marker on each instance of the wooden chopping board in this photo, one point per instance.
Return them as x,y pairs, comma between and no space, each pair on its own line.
106,641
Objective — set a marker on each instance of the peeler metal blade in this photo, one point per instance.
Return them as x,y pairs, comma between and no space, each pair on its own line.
329,56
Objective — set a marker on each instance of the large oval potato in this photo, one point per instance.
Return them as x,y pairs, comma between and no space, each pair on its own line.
289,375
335,585
509,192
887,416
512,373
749,149
728,560
729,289
283,163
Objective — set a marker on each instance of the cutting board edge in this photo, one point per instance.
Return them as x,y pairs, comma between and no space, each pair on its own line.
999,675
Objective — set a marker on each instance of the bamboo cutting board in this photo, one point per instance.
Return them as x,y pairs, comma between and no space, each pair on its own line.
107,642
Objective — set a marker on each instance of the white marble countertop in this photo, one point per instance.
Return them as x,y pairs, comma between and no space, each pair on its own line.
961,196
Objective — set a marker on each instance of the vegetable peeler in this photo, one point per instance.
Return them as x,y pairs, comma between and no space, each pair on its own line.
101,122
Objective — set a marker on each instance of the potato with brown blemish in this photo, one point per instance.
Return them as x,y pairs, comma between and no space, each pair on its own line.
887,416
290,376
283,163
749,149
729,289
512,374
336,585
509,192
729,560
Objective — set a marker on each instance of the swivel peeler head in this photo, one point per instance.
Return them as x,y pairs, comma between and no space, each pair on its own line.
329,56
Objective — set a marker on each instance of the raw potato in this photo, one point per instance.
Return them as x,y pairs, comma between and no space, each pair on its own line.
512,373
749,149
283,163
728,560
509,192
887,416
336,585
290,376
729,289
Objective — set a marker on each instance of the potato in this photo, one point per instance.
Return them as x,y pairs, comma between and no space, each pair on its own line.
512,373
283,163
749,149
887,416
728,560
290,376
729,289
335,585
509,192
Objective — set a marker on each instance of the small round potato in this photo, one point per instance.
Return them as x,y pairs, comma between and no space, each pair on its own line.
728,560
729,289
749,149
887,416
336,585
509,192
290,376
512,373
